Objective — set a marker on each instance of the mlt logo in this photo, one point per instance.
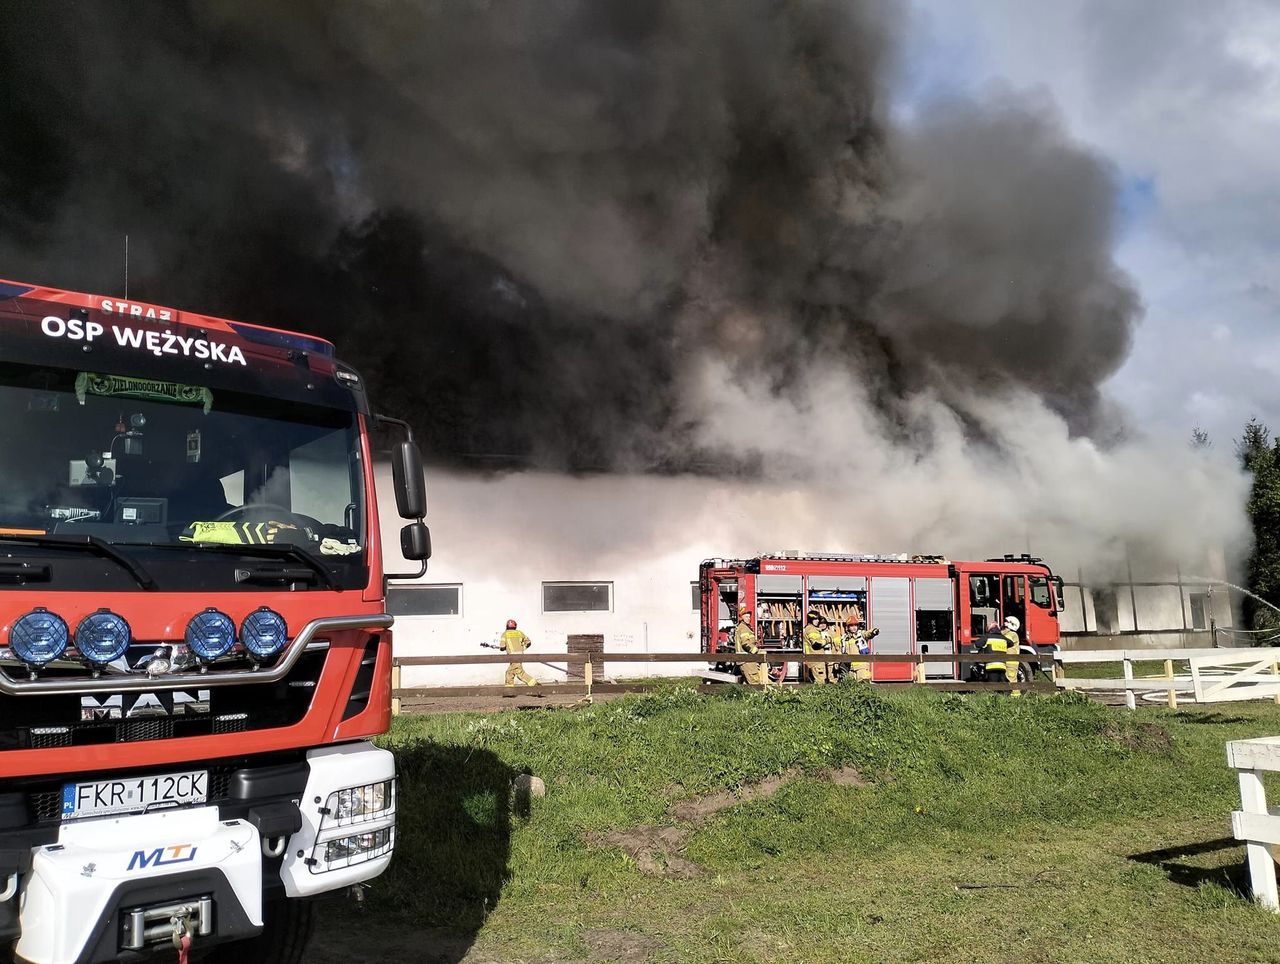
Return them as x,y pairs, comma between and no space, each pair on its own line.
176,854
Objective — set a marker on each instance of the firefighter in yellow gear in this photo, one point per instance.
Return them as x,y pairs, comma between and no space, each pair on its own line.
816,641
746,641
513,641
996,644
857,641
1013,644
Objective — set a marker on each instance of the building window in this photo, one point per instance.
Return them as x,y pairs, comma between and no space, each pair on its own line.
697,597
424,600
1199,610
577,597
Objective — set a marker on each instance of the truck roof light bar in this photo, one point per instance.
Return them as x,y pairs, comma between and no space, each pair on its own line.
1010,557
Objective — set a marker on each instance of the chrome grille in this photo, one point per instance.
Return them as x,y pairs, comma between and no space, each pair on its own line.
56,720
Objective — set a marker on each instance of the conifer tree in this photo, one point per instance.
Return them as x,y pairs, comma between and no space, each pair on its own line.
1261,458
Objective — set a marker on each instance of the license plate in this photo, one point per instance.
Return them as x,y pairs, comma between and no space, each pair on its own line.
134,795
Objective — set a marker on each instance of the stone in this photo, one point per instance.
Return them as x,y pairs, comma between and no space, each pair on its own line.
528,786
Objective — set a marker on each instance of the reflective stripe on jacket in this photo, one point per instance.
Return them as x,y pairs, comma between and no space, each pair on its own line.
514,641
996,644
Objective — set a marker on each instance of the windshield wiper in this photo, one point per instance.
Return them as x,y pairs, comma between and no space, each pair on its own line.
88,543
275,550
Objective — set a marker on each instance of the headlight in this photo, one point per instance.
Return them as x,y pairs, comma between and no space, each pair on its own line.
264,632
38,637
102,637
357,824
360,803
210,634
358,848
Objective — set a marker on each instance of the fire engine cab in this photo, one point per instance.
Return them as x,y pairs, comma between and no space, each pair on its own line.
918,603
194,643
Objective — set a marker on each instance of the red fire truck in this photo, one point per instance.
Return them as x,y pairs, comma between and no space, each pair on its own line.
918,603
194,646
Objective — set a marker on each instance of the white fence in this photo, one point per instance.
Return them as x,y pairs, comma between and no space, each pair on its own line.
1253,823
1212,676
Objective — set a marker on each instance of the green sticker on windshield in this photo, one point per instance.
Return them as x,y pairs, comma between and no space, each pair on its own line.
89,383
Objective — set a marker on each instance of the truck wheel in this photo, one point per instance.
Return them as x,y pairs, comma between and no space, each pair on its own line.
287,927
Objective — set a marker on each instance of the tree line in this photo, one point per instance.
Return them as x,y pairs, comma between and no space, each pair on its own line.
1259,455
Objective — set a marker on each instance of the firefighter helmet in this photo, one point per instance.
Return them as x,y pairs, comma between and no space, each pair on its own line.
1012,622
511,624
813,616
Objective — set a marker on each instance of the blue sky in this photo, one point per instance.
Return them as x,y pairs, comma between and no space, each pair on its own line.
1183,98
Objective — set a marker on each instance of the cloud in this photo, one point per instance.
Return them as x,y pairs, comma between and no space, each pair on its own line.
1187,102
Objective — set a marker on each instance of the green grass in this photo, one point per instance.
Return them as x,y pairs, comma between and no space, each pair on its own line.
1141,667
992,829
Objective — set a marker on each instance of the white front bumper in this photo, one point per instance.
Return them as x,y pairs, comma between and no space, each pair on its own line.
335,768
72,883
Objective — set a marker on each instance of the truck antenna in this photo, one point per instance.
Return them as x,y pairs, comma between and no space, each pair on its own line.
126,267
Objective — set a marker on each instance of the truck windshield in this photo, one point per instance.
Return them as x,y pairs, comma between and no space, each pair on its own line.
135,461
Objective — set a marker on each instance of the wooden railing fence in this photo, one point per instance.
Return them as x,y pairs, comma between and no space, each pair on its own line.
593,665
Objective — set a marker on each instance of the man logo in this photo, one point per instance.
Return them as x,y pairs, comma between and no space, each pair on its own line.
176,854
125,706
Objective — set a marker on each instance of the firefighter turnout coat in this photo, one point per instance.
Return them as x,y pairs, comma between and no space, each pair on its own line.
513,642
745,641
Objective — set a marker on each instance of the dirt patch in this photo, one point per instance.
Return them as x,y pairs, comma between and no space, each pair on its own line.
657,850
700,809
621,946
847,777
1142,737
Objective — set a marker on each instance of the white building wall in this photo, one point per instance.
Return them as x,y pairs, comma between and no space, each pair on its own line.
479,544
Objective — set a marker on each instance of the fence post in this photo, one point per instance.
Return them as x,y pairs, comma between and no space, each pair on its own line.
586,676
1173,695
1129,700
920,675
395,685
1275,671
1262,868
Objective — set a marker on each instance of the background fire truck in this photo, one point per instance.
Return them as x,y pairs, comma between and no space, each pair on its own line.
194,646
918,603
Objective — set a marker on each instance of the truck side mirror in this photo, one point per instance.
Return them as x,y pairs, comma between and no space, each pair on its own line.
410,485
415,542
411,500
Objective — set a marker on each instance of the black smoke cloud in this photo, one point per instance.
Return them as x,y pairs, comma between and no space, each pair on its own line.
529,223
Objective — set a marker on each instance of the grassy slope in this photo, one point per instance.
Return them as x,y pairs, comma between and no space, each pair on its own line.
1057,821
